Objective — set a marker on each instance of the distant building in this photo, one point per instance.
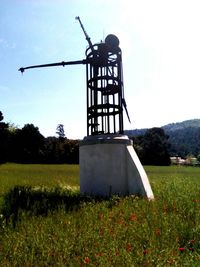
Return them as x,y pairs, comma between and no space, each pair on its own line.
177,160
191,161
188,161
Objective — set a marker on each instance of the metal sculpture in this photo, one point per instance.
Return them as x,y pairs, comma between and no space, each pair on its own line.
105,89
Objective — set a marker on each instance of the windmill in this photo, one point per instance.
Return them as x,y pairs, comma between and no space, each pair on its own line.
108,162
105,87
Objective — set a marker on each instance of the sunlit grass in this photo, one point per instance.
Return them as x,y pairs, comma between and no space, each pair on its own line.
38,175
127,231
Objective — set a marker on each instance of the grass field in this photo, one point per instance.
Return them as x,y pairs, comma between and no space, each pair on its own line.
45,222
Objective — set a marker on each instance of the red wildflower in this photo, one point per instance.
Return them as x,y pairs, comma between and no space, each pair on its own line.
117,253
196,200
120,221
86,260
133,217
158,232
191,249
181,249
99,254
129,247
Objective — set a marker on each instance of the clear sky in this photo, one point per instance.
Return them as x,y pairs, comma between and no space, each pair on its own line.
160,42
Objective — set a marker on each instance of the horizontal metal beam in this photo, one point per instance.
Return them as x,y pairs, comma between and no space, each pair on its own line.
63,63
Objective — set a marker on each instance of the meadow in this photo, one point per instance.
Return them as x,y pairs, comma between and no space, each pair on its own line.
44,221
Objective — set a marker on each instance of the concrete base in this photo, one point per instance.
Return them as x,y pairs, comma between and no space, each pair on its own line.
109,165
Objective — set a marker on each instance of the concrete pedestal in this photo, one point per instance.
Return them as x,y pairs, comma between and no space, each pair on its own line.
109,165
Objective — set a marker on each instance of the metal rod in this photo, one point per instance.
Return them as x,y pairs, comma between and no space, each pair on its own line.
63,63
86,35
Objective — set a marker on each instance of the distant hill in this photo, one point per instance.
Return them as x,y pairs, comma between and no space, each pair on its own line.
184,137
195,123
135,132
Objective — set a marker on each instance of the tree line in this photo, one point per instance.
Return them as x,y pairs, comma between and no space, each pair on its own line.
185,142
152,147
184,138
28,145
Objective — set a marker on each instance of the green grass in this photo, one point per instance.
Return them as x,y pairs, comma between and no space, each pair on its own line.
37,176
45,223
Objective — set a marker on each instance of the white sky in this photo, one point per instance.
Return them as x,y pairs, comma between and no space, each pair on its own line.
160,41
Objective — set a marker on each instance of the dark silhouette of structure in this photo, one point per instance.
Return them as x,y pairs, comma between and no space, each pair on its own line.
105,144
105,89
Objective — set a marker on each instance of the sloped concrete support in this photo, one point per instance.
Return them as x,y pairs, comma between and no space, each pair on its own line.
109,165
138,182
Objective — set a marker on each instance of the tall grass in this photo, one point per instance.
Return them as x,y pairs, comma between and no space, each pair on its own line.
36,175
58,227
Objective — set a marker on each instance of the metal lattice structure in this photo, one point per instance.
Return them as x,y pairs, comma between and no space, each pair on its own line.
105,93
104,88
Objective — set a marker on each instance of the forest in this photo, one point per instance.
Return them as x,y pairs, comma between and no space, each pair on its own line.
183,137
28,145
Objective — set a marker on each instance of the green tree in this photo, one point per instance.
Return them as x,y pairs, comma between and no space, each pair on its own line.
1,116
4,138
56,151
198,158
60,132
30,144
155,147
